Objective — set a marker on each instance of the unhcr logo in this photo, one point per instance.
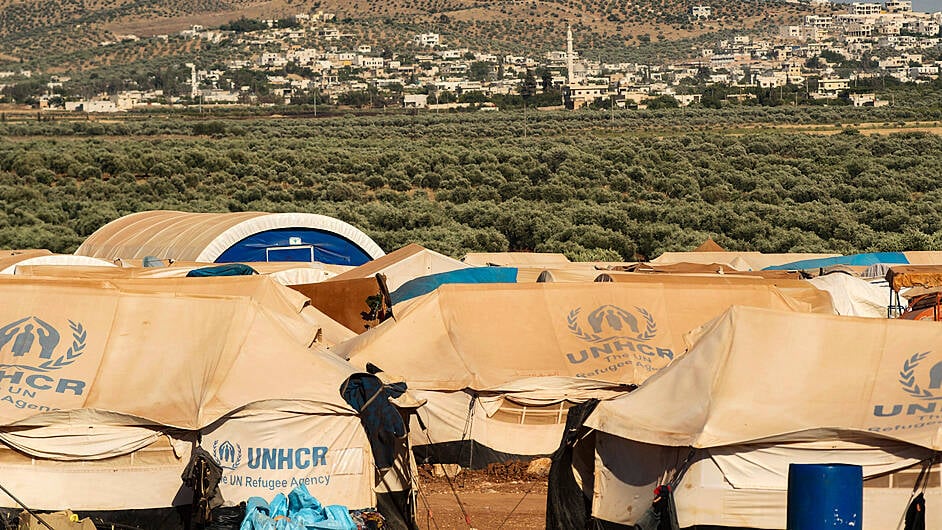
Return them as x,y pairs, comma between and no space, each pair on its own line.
27,335
613,331
33,346
228,455
919,382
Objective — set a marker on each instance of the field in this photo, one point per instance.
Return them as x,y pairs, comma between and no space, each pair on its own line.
592,185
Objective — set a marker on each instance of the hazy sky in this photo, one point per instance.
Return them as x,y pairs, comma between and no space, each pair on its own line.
926,6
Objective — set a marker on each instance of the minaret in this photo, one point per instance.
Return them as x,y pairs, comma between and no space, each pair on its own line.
569,53
194,84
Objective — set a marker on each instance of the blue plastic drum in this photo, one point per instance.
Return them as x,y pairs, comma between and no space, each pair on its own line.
825,496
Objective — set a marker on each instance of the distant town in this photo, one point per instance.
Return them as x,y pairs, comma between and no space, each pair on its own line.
309,60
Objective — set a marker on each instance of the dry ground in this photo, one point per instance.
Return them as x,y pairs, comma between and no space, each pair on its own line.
501,496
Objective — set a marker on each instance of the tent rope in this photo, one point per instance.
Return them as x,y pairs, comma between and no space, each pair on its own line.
515,507
454,491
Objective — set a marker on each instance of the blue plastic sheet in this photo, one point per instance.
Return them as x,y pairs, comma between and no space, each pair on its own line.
427,284
861,260
298,511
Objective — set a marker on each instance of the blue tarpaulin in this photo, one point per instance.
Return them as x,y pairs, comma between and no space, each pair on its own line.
295,244
427,284
854,260
298,511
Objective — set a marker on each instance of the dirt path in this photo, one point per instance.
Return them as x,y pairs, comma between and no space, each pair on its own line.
502,494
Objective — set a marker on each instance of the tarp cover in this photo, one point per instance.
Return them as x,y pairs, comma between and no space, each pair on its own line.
404,264
855,260
853,296
426,284
739,260
759,374
902,276
182,359
484,337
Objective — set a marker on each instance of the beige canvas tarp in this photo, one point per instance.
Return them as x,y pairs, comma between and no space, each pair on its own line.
746,486
736,259
343,300
157,355
285,273
313,325
11,264
486,336
515,259
759,374
761,389
402,265
107,384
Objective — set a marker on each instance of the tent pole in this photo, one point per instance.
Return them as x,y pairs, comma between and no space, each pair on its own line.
31,512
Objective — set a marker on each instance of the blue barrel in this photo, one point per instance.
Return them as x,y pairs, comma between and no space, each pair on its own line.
825,496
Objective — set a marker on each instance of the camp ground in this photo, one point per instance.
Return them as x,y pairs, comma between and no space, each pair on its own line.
501,363
761,389
279,350
110,387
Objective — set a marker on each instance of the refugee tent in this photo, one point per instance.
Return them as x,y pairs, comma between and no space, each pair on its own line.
739,260
516,259
109,386
500,364
404,264
760,389
317,326
11,263
284,272
231,237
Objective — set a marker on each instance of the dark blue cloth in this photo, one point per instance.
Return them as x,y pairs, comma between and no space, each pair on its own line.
235,269
381,420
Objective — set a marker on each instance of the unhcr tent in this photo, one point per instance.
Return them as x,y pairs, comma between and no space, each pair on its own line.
108,387
500,364
761,389
739,260
231,237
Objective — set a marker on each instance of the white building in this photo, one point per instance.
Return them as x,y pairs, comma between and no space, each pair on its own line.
819,21
899,6
427,39
864,8
701,11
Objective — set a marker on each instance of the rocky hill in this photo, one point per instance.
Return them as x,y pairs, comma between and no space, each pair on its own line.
63,34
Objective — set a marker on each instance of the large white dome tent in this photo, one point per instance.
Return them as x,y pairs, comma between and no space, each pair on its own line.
231,237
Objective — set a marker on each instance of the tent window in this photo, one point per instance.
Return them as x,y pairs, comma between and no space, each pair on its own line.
511,412
905,478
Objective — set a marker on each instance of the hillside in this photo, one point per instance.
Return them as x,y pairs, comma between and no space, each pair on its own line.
62,34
